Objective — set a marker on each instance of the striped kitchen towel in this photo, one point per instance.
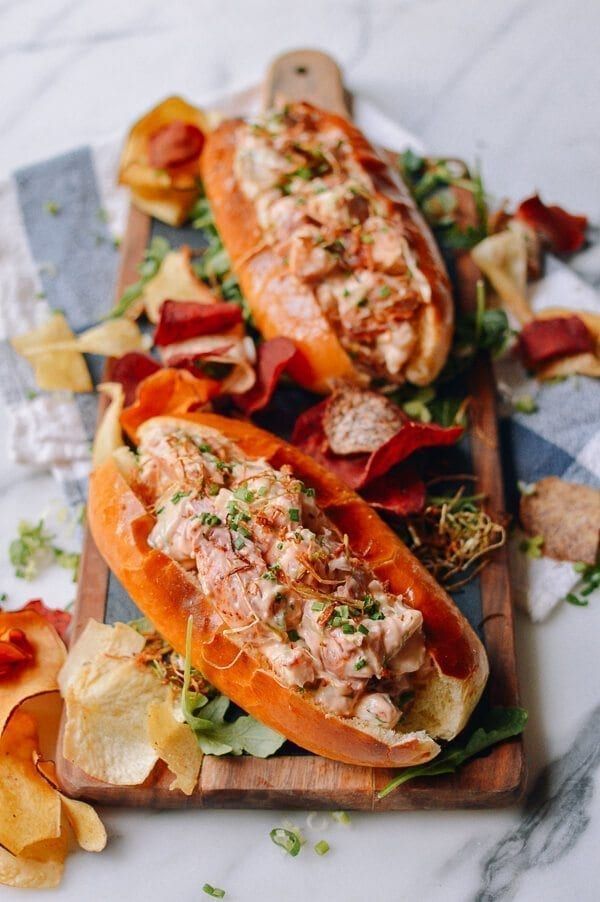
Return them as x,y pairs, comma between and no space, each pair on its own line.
58,222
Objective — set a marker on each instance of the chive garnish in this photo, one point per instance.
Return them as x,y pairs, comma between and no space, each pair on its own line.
286,839
322,847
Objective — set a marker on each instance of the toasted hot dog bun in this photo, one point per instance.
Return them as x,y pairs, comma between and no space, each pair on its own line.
168,595
283,304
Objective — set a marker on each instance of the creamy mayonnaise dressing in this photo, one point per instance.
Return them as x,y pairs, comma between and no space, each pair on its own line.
320,212
279,573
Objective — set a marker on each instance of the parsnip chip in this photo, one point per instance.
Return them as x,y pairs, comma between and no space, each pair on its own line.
106,713
503,259
39,673
41,869
174,281
30,809
88,829
175,744
66,370
109,436
229,349
118,641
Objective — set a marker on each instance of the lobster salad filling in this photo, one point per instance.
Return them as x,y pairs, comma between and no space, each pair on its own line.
320,212
280,575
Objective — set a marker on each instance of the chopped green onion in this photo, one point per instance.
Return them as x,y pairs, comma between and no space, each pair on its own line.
525,404
294,514
362,662
213,891
176,498
342,817
317,606
286,839
532,546
243,494
322,847
307,490
213,488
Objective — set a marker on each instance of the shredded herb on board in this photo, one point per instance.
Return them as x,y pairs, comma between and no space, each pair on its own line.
52,207
498,724
154,255
453,536
34,549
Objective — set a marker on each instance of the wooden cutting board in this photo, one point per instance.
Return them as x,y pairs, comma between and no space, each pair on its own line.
301,780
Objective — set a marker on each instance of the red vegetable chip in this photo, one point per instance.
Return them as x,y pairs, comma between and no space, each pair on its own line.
175,144
358,470
180,320
401,492
273,358
60,620
563,232
561,336
14,650
130,370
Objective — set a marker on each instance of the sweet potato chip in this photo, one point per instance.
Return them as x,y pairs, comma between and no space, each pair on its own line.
88,829
96,638
175,744
180,320
563,232
572,537
502,258
170,134
30,810
109,436
33,676
167,393
174,281
273,358
105,731
41,869
66,370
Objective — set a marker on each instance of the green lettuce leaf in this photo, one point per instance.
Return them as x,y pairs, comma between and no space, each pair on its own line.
498,724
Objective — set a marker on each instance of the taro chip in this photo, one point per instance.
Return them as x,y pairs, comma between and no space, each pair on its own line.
131,369
180,320
567,516
109,436
54,371
30,809
105,732
563,232
35,674
175,744
174,281
274,356
359,470
357,421
97,638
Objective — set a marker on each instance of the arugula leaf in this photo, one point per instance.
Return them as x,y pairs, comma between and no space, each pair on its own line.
498,724
214,734
154,255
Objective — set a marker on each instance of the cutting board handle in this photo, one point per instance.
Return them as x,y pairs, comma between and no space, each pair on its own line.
305,75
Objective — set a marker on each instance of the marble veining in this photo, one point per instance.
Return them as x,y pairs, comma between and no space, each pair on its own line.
514,82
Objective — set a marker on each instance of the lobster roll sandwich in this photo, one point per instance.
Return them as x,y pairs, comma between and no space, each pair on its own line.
306,609
329,248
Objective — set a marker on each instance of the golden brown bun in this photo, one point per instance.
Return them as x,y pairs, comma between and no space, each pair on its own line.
282,305
167,595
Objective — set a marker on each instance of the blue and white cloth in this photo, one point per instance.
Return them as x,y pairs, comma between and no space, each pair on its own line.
69,261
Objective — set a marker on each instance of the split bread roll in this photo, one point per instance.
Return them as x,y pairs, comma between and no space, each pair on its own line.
205,492
329,248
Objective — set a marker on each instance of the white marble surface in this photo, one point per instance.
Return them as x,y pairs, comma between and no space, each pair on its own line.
513,81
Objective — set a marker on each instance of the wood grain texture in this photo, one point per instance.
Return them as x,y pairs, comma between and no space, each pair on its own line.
309,781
